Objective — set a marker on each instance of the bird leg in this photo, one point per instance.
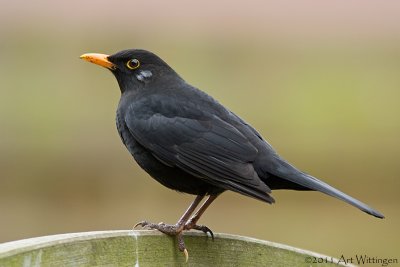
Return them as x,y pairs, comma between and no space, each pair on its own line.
176,229
192,222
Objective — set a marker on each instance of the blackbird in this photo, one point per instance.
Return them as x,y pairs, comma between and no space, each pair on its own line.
189,142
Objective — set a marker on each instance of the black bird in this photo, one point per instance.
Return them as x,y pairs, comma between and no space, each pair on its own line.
189,142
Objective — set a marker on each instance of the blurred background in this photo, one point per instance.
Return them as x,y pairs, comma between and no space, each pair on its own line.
320,80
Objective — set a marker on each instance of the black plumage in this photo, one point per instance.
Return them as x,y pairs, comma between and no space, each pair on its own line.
189,142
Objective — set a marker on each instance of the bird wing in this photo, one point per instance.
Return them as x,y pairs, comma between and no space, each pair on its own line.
208,148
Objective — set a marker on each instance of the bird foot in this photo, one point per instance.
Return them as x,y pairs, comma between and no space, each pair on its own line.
191,225
176,230
169,229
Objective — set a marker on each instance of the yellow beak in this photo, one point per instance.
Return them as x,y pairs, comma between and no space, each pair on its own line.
99,59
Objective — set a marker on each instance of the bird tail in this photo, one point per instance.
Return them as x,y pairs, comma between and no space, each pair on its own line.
286,171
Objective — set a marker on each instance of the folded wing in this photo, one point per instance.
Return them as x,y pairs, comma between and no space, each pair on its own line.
208,148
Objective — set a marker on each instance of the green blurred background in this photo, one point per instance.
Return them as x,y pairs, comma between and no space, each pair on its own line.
319,80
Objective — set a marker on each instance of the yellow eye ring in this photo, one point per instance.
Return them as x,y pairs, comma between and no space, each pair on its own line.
133,64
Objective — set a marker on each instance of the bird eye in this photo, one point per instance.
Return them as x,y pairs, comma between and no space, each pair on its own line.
133,64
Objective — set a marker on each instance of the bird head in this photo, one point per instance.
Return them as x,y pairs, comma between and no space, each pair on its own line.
134,68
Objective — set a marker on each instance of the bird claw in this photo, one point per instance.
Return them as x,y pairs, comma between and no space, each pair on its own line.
182,247
176,230
204,229
172,230
191,225
143,224
186,255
